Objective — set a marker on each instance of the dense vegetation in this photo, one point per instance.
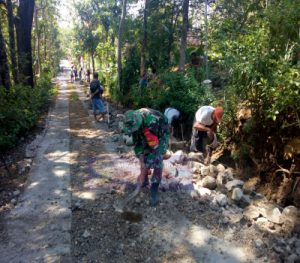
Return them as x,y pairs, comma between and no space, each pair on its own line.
249,49
30,54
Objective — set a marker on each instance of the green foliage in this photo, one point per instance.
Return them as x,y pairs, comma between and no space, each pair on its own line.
20,109
258,59
172,89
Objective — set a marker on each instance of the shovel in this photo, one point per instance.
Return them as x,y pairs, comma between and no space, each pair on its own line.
108,118
120,205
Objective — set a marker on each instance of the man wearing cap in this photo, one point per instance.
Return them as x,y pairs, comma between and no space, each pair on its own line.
150,136
205,125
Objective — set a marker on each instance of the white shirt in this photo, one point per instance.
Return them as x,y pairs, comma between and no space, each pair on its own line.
203,115
171,113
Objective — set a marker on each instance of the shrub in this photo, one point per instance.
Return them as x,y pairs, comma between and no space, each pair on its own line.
20,109
172,89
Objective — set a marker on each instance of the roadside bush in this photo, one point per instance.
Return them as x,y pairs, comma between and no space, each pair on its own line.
20,109
172,89
267,82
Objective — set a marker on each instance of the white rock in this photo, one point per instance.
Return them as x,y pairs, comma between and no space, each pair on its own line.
213,170
209,182
261,220
202,191
234,183
196,166
237,194
233,217
272,214
220,168
290,213
229,174
194,194
168,154
259,243
195,170
169,169
221,199
197,157
177,157
251,212
122,116
86,234
221,178
205,170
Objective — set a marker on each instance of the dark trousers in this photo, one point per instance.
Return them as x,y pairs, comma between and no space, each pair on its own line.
199,140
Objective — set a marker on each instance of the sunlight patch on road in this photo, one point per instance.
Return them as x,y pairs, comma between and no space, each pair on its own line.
198,236
32,185
89,195
58,156
60,172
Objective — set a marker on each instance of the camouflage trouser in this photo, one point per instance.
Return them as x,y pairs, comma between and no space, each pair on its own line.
154,160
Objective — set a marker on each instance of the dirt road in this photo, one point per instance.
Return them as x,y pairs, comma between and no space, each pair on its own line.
66,213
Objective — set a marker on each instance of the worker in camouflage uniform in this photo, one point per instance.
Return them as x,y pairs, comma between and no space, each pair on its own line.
150,136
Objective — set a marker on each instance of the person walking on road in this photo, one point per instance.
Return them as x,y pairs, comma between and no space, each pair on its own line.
96,91
205,126
149,133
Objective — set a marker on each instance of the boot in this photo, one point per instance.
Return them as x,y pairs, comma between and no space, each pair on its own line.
154,194
146,182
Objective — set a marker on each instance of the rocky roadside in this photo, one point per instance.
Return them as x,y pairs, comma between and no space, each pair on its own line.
206,214
200,195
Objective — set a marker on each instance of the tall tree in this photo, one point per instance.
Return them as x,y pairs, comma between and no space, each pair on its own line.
120,40
144,41
4,71
12,42
185,24
38,40
172,23
24,28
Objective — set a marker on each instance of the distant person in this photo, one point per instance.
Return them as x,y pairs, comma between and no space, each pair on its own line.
80,73
149,131
88,75
96,91
72,74
205,126
173,117
75,73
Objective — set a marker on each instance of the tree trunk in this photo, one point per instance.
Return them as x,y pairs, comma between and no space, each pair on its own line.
4,71
113,44
93,62
24,28
185,24
171,33
144,42
38,36
120,38
12,41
